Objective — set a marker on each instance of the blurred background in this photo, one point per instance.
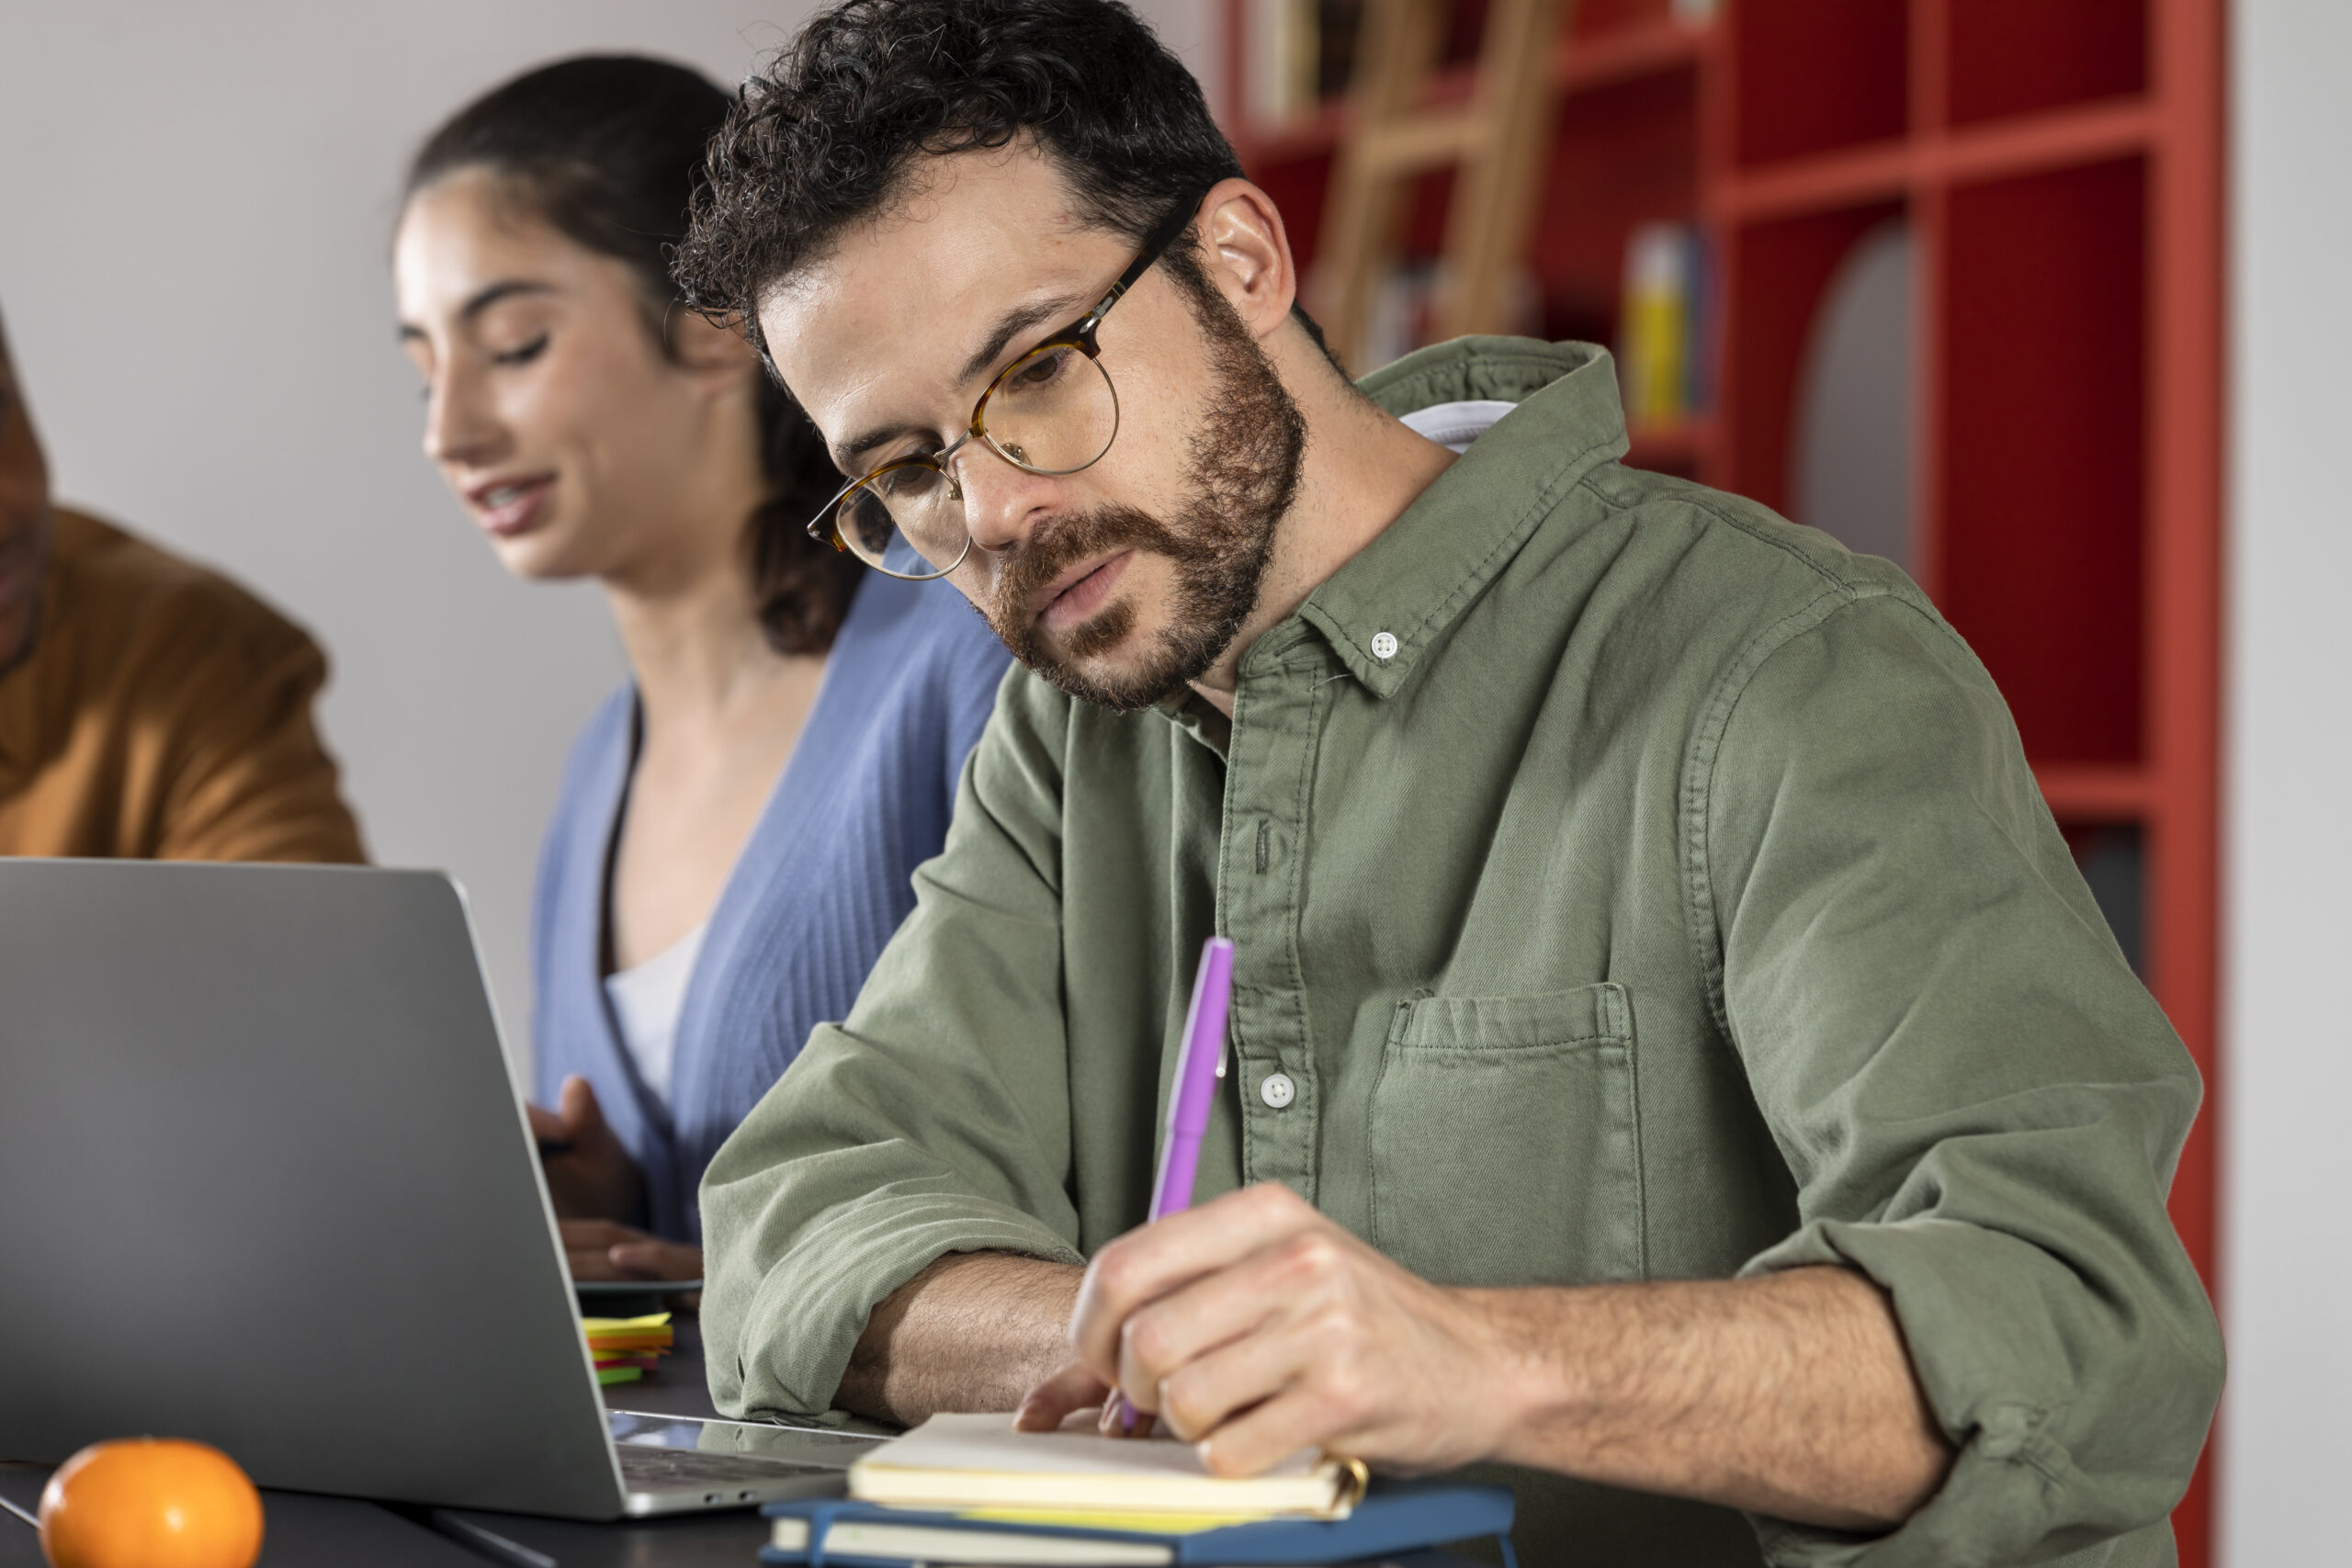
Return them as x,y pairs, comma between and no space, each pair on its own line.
2039,297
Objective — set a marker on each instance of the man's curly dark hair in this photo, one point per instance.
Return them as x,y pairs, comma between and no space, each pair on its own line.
824,136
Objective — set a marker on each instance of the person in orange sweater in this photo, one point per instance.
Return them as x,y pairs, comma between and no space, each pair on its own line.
148,708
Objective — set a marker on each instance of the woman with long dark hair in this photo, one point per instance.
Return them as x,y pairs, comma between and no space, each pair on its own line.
739,822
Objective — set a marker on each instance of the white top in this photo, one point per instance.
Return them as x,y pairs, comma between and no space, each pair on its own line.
1455,425
647,1001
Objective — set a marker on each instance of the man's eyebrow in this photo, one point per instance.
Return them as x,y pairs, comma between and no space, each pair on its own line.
482,299
1010,325
845,458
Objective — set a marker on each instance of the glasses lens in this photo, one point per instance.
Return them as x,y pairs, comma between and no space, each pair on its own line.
907,520
1053,411
901,561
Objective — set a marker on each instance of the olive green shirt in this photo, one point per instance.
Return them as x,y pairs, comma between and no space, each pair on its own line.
1626,885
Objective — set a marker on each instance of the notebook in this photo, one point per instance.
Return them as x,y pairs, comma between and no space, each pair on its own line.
980,1462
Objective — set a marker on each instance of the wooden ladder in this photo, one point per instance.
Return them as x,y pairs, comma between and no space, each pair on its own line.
1497,140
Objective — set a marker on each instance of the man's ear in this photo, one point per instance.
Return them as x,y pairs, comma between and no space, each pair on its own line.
707,348
1249,254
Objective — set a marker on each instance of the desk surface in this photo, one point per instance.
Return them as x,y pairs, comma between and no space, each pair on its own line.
678,1387
305,1530
301,1531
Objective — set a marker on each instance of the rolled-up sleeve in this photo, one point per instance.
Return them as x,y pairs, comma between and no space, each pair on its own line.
1980,1104
935,1120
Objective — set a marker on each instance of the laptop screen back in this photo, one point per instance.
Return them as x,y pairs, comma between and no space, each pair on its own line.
267,1185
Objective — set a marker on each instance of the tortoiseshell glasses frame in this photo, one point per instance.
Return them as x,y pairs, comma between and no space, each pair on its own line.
1053,410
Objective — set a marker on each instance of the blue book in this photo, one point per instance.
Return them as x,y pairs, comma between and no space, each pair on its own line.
1392,1517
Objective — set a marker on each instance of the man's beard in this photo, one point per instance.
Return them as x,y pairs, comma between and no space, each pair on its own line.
1240,480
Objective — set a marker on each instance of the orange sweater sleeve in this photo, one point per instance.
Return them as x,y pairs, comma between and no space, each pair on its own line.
246,777
165,713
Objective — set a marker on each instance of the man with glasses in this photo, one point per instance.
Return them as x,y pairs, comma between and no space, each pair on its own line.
1674,1056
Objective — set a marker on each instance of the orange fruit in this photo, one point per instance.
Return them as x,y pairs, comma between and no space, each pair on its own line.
149,1503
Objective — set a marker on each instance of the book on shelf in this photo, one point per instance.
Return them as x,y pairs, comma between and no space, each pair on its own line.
1664,356
1300,52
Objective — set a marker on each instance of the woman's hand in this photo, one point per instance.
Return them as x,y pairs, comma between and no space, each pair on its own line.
602,1249
597,1187
590,1175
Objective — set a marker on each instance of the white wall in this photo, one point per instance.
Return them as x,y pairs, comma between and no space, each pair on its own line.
2286,1091
195,207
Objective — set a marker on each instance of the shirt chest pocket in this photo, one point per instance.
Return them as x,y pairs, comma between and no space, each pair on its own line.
1506,1140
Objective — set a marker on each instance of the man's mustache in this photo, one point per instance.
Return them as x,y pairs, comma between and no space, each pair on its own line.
1030,567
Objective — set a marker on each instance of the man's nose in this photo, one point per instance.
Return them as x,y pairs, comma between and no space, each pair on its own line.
1003,502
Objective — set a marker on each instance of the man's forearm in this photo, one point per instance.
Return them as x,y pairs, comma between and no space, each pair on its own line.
1791,1395
974,1331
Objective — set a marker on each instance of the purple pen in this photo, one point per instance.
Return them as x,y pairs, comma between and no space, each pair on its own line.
1199,1064
1198,1067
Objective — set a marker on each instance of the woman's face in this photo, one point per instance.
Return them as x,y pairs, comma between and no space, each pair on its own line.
572,439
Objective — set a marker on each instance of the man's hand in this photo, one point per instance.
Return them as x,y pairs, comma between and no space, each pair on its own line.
1256,1327
590,1175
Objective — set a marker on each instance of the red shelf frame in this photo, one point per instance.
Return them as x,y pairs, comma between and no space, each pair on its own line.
2060,140
1683,448
1954,109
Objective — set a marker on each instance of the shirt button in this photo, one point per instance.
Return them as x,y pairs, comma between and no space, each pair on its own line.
1277,1090
1384,645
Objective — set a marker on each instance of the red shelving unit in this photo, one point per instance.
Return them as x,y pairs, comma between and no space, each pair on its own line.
2059,167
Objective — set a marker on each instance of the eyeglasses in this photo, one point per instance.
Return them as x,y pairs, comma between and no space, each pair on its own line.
1053,410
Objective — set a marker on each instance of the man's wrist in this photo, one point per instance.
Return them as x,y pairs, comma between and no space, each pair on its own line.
969,1331
1533,1389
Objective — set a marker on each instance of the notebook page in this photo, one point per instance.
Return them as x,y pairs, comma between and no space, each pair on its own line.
989,1443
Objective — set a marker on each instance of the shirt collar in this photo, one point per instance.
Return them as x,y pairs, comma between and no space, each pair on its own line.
1384,608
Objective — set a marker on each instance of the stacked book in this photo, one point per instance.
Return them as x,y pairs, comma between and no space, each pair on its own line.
969,1489
625,1348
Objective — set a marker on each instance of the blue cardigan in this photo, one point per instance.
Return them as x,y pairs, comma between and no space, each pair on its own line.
822,883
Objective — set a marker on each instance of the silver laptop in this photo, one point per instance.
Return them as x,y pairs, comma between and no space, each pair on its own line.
264,1181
